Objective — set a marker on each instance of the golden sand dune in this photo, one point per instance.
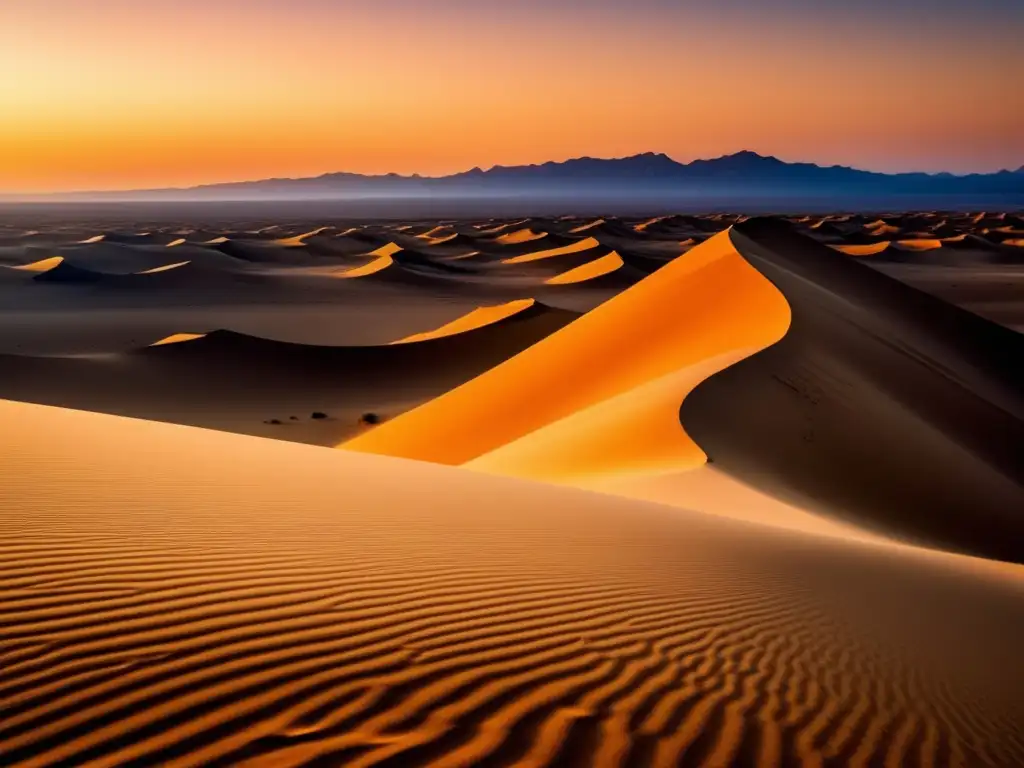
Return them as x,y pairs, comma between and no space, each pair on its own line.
164,268
588,226
520,236
477,318
581,245
44,265
644,225
881,405
870,249
439,232
382,261
920,244
602,265
177,338
388,249
678,318
299,240
176,597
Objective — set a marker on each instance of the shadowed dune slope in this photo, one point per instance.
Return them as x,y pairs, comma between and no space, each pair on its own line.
674,323
177,597
231,381
881,404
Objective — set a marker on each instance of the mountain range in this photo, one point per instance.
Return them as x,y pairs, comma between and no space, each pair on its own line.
648,176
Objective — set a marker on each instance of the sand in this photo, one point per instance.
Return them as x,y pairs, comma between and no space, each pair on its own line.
258,603
543,385
728,491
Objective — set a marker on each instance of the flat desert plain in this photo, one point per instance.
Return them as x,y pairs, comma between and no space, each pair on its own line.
677,491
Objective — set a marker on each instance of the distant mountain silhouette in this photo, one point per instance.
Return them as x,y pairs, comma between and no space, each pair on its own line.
646,176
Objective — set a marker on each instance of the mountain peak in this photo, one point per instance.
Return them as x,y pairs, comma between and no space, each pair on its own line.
748,156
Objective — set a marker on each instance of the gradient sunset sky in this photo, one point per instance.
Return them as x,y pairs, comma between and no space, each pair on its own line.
105,94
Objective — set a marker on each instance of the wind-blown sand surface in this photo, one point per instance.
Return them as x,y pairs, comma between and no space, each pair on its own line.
263,604
784,446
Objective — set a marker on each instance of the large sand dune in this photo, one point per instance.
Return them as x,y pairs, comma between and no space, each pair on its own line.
654,335
180,597
881,404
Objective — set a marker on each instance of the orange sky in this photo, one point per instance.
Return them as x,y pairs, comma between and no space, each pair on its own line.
114,94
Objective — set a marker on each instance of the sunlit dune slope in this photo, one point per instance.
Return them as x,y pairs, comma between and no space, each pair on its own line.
164,268
582,245
379,264
520,236
177,597
477,318
925,244
699,312
44,265
596,268
177,338
881,404
869,249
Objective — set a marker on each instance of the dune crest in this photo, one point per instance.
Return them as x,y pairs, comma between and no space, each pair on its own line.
298,240
474,319
178,338
600,266
871,249
582,245
379,264
919,244
43,265
520,236
659,337
164,268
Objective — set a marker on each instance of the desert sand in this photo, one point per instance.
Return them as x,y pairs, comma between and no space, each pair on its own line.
178,596
680,490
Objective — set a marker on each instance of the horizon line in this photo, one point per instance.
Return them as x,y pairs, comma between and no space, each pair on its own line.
12,196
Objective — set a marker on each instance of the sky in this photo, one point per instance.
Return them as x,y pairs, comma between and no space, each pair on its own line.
127,94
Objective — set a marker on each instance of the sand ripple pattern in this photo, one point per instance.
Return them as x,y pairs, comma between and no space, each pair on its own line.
216,600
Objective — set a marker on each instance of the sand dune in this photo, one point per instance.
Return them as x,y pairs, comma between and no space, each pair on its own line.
924,244
381,262
240,383
592,269
44,265
520,236
543,385
587,227
164,268
871,249
882,404
265,604
477,318
585,244
301,239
